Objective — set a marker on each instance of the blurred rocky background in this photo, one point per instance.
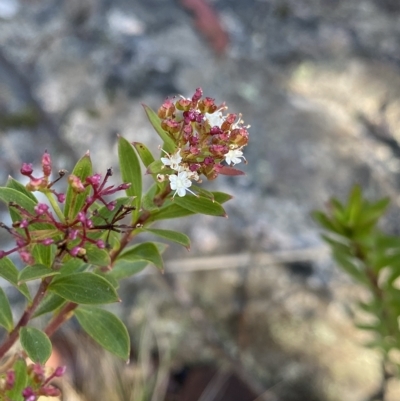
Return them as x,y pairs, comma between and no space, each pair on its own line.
256,310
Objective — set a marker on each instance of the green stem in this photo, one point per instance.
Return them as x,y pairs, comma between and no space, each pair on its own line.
55,206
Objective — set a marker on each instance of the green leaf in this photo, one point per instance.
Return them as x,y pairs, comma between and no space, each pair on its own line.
44,254
169,145
96,256
106,329
171,211
145,251
35,272
125,268
157,167
8,195
112,280
21,380
10,272
84,288
221,197
73,265
50,303
36,344
201,205
355,205
131,172
144,153
351,266
148,198
6,319
174,236
14,184
75,201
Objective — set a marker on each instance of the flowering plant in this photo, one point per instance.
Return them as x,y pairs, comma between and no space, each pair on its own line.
80,244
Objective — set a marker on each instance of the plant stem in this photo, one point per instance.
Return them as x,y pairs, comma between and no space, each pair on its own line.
55,206
23,321
64,314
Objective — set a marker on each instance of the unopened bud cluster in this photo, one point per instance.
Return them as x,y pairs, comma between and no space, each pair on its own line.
205,138
38,380
70,236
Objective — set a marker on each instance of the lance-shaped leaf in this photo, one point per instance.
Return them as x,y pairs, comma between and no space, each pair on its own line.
36,344
84,288
171,235
157,167
131,172
73,200
145,155
14,184
10,272
169,145
106,329
6,319
35,272
201,205
21,379
8,195
146,251
44,254
125,268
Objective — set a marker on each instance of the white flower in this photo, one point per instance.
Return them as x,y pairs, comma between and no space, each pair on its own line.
215,119
180,183
233,156
172,160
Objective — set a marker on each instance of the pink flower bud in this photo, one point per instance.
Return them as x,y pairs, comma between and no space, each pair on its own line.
35,184
197,95
73,234
26,169
41,208
94,180
100,244
78,251
61,198
47,241
111,205
46,164
60,371
10,379
76,184
26,257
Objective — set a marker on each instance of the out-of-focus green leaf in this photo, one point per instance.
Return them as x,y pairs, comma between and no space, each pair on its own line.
10,272
147,251
8,195
355,205
144,153
21,380
351,266
6,319
84,288
36,344
14,184
106,329
74,201
35,272
201,205
174,236
131,172
125,268
169,145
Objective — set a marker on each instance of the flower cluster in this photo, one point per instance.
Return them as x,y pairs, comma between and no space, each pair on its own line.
39,378
205,138
43,225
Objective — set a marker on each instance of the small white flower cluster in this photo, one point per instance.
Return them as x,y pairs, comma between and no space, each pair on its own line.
181,181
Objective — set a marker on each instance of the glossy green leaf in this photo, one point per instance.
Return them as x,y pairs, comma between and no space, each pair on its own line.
169,145
35,272
112,280
50,303
36,344
10,272
74,265
84,288
6,319
144,153
174,236
146,251
201,205
21,381
125,268
14,184
96,256
131,172
106,329
74,201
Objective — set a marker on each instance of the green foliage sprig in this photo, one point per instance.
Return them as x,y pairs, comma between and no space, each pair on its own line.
371,258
